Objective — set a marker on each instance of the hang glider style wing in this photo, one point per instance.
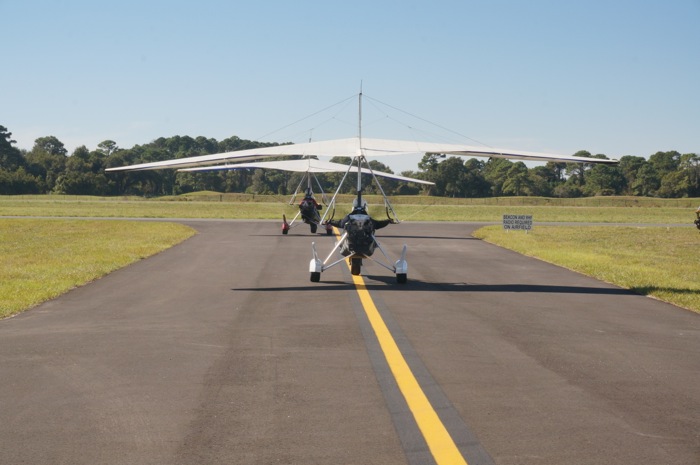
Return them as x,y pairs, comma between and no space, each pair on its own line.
353,147
201,160
306,165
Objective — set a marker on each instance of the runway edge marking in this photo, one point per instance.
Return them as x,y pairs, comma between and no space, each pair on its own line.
439,440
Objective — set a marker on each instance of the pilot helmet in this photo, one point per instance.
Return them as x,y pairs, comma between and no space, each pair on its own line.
362,208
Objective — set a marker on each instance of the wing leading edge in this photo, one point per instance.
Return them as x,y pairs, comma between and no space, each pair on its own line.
352,147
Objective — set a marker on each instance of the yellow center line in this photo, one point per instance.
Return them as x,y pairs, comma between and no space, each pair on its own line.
437,437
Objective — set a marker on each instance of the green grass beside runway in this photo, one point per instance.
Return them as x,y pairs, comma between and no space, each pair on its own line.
42,259
408,208
655,261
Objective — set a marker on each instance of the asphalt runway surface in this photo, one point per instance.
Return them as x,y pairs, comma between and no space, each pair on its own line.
220,351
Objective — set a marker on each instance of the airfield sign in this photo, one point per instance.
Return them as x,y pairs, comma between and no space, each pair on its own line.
523,222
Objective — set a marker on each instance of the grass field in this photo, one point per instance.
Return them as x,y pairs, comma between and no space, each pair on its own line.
42,258
655,261
410,208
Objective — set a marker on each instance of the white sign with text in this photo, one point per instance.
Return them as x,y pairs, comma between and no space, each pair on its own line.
523,222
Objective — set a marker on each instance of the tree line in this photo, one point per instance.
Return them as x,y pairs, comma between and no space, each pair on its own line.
48,169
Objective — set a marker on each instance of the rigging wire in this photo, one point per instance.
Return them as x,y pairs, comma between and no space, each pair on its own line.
307,117
424,120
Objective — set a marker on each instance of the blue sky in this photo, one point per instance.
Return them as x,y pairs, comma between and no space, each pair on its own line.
612,77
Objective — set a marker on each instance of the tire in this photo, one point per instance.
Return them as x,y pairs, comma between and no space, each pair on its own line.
315,276
355,266
401,278
329,232
313,228
285,231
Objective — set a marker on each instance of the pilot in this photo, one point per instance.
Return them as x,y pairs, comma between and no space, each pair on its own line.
309,208
360,212
309,198
359,227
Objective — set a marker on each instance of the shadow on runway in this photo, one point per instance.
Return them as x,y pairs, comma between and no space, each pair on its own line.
385,283
646,290
446,238
379,237
292,235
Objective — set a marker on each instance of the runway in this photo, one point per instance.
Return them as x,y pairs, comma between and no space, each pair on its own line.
220,351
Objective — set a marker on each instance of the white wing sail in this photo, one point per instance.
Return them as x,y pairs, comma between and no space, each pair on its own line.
352,147
307,165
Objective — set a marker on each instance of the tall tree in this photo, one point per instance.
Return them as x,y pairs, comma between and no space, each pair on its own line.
690,163
474,183
10,157
107,147
518,181
451,177
544,179
665,162
647,181
629,167
557,171
604,180
674,184
84,174
47,161
576,172
430,161
50,145
496,173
